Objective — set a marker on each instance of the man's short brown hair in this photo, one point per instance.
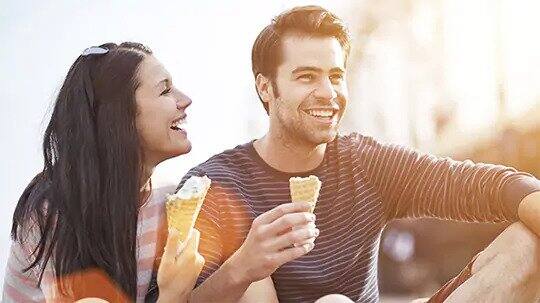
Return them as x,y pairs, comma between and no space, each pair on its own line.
311,21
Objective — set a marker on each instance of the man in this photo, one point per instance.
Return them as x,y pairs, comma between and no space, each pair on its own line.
299,64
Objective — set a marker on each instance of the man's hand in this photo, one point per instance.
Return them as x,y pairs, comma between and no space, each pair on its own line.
506,271
270,241
529,212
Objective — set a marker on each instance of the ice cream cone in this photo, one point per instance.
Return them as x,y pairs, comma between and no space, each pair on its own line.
305,190
184,206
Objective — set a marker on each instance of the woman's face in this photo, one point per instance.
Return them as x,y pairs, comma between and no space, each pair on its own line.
161,112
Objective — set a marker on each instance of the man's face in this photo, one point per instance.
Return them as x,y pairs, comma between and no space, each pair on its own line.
311,93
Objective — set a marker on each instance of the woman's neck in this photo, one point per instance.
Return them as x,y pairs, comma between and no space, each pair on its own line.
146,184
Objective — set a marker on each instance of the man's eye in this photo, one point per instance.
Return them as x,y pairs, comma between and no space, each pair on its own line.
336,78
306,77
166,91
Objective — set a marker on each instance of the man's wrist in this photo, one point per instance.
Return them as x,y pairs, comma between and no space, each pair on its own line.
165,298
236,272
227,284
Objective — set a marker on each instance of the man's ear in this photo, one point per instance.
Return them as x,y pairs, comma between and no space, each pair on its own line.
264,88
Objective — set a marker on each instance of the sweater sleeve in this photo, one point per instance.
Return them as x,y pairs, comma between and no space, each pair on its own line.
413,184
21,285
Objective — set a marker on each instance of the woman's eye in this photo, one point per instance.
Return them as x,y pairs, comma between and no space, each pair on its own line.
166,91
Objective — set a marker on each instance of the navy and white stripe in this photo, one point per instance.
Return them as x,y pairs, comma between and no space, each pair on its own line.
364,185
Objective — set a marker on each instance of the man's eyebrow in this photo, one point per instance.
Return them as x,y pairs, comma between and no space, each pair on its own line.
337,70
306,69
316,69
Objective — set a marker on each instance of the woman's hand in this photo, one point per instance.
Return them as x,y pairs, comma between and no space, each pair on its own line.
178,272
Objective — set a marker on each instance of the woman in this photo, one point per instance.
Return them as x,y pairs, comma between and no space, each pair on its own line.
87,225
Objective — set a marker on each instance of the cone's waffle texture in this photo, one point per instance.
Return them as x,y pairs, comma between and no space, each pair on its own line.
305,190
184,206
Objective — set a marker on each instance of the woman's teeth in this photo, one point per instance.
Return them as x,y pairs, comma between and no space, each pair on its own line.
176,125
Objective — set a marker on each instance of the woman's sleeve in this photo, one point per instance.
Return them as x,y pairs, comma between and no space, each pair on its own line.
21,285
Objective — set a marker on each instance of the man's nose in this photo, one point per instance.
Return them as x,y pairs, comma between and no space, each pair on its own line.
326,90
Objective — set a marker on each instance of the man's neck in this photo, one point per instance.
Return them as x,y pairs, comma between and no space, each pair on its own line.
289,155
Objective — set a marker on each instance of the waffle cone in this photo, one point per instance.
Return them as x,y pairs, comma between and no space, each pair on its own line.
182,212
305,190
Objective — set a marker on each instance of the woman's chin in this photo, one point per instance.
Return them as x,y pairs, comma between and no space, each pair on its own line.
186,150
183,149
175,151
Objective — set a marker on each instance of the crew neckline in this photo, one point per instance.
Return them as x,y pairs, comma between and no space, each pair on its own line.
281,174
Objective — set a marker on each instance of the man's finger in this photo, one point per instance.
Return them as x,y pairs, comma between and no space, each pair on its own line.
298,237
288,221
171,247
292,253
281,210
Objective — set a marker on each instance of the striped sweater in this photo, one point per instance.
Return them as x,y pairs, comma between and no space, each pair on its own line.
365,184
21,287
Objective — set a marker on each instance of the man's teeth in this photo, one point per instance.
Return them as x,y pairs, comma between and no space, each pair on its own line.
321,113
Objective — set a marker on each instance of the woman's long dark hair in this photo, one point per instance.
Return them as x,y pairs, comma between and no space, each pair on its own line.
85,201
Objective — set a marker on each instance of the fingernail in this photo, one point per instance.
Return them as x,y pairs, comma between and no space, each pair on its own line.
309,246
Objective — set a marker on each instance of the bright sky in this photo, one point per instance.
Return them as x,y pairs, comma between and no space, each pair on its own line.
205,45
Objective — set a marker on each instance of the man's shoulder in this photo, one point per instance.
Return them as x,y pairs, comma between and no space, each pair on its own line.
228,162
356,140
162,188
361,145
226,170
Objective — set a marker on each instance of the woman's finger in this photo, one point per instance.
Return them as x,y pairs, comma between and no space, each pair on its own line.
188,248
171,247
193,241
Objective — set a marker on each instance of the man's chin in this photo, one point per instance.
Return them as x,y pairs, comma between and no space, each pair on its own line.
323,138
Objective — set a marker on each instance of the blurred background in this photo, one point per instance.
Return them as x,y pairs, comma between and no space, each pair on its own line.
457,78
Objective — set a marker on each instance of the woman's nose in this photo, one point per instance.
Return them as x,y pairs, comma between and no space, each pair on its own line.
182,101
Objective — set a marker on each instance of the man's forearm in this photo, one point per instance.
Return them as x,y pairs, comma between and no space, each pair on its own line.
529,212
224,285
